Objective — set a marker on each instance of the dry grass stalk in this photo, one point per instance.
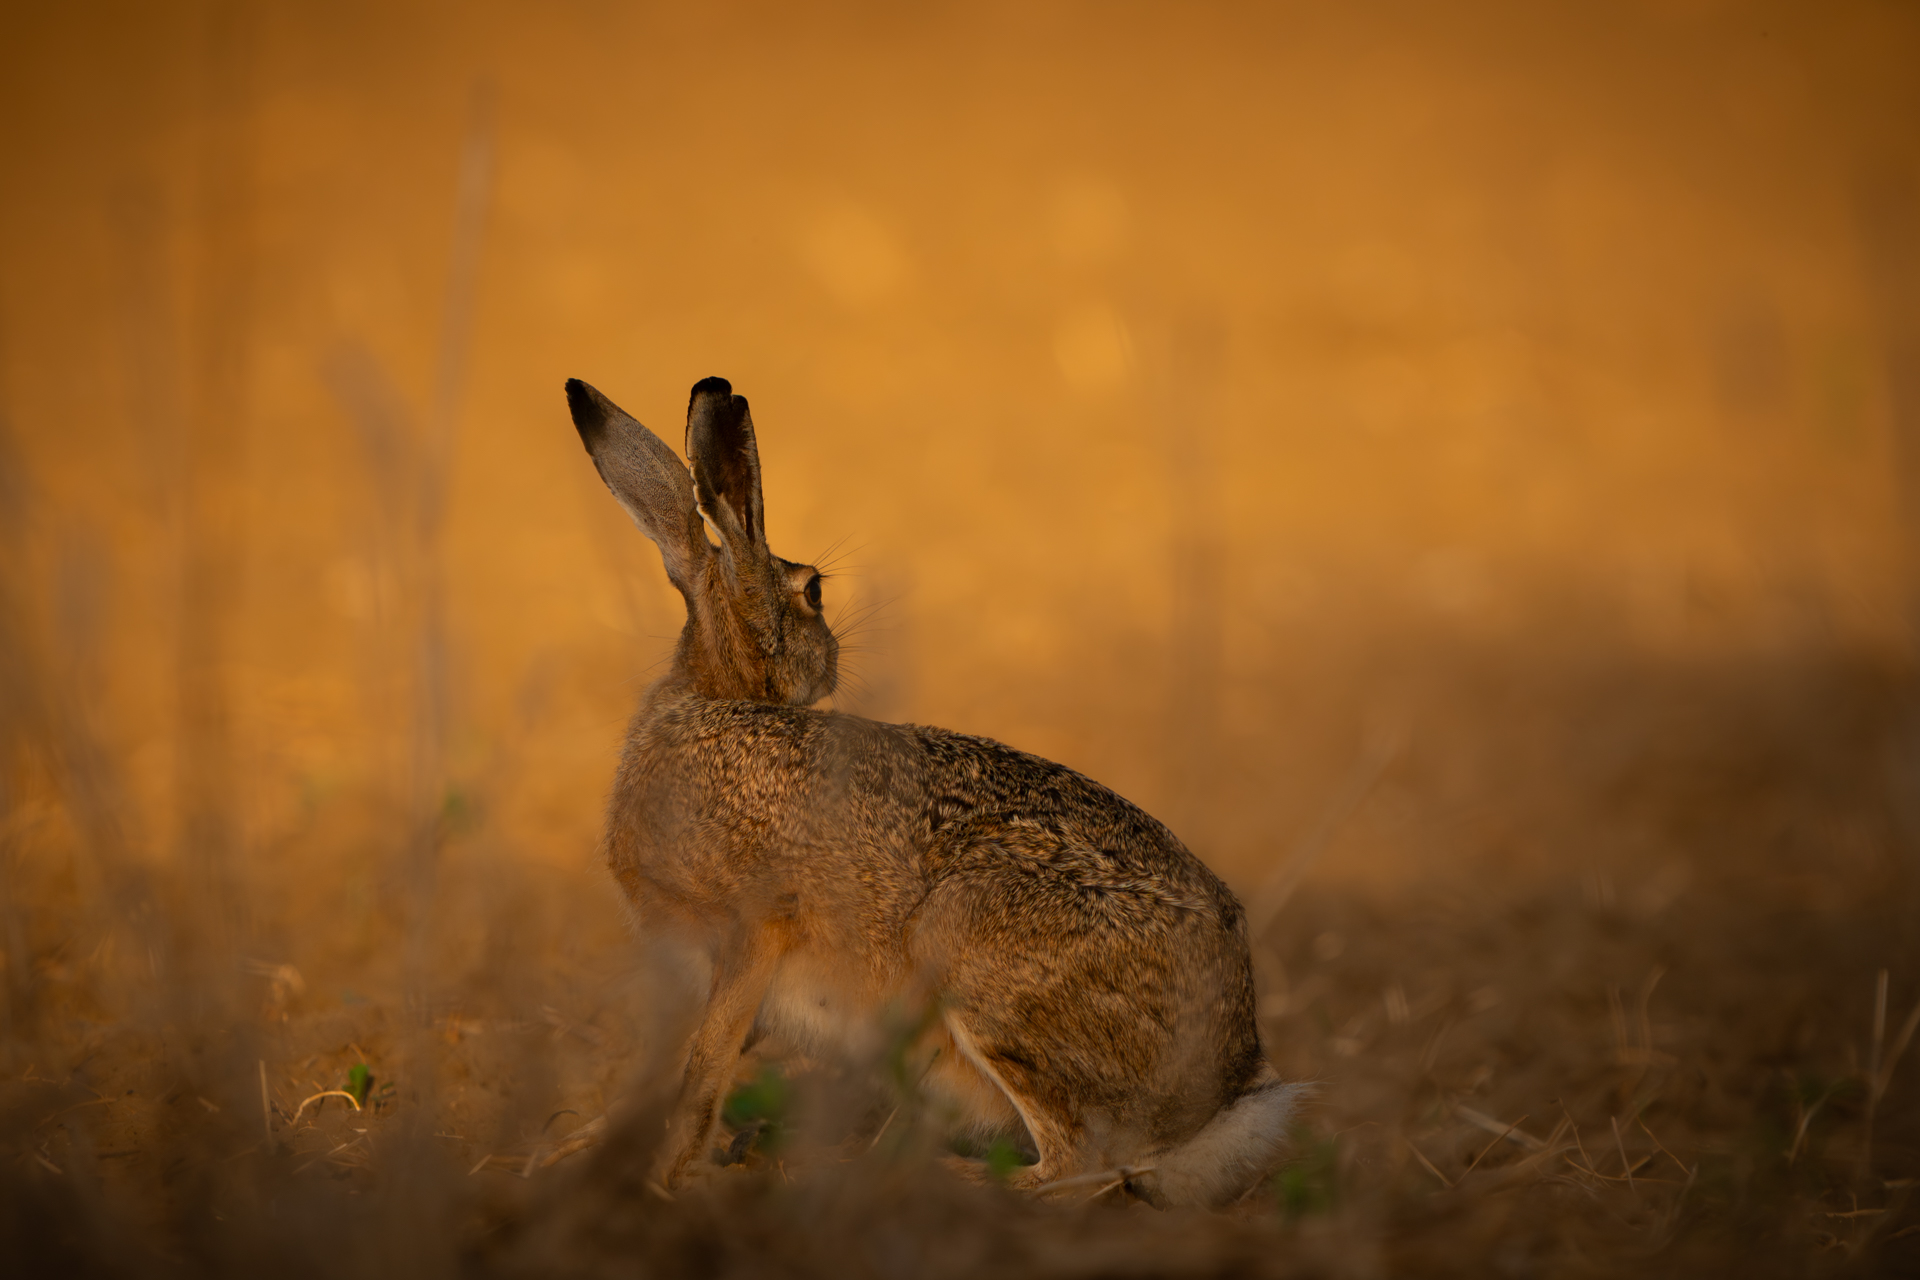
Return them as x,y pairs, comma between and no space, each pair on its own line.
1428,1165
1120,1174
1873,1066
1511,1132
1621,1143
1475,1162
324,1093
1884,1078
1381,750
1804,1116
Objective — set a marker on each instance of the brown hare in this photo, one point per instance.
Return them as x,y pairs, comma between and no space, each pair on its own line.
1090,977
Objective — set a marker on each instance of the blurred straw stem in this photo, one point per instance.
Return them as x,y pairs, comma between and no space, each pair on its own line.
324,1093
1511,1132
1382,748
1873,1065
433,462
1881,1060
1900,1043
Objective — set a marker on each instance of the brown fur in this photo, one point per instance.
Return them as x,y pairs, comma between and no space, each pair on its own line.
1092,975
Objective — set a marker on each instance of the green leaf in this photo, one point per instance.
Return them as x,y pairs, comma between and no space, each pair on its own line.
359,1080
765,1099
1003,1158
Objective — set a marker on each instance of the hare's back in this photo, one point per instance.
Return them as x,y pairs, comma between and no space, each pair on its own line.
980,791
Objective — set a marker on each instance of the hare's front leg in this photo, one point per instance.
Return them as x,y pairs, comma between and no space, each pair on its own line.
741,974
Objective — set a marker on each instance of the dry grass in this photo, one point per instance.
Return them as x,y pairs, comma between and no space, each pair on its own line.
1648,1067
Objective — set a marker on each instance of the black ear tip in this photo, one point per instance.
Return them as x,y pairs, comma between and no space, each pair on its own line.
588,408
711,387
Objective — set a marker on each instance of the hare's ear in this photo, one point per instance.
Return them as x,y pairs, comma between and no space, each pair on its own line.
726,464
646,476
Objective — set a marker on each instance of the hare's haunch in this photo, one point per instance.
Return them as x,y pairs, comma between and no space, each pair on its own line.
1091,976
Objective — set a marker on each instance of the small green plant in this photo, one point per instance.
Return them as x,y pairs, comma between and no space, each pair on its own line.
359,1081
1003,1158
1306,1185
762,1106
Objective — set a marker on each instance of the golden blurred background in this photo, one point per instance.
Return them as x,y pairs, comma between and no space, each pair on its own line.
1203,395
1460,463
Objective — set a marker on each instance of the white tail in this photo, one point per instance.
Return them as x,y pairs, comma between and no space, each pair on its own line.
1240,1144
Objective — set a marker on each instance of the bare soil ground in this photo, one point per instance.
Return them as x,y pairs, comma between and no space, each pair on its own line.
1651,1066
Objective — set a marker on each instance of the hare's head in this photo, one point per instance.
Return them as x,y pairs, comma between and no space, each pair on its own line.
754,629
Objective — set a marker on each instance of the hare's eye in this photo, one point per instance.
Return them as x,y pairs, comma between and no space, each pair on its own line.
813,593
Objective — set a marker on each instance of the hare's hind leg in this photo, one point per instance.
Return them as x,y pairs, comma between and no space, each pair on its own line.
1052,1134
1108,1016
741,974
